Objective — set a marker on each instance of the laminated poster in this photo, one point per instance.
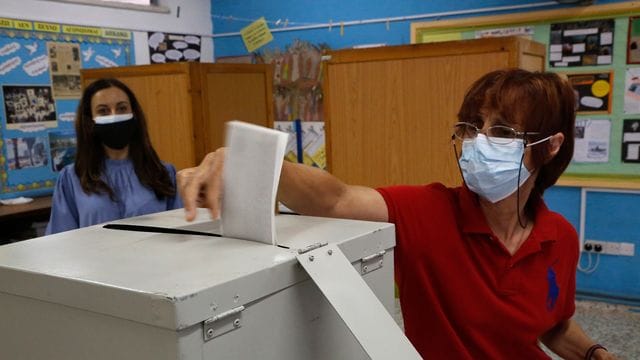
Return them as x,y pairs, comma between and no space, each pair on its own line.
581,43
592,140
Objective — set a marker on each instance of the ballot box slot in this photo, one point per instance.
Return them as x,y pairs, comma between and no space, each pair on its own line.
223,323
157,229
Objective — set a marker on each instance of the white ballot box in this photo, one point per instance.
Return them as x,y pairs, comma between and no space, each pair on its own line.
97,293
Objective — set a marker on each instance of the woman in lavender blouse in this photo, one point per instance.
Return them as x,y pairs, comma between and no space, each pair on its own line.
117,173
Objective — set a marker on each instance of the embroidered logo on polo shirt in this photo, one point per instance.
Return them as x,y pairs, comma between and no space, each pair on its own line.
554,291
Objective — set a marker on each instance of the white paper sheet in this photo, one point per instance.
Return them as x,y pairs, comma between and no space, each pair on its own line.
250,176
592,140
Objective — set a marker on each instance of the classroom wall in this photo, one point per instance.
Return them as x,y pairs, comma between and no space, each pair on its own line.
193,19
609,216
231,16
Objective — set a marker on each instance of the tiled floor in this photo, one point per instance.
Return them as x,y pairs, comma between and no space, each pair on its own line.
617,327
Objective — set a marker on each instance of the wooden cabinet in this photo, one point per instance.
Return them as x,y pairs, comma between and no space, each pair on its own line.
389,111
187,104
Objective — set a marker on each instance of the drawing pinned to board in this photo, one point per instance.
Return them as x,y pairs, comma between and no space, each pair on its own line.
64,63
26,152
164,48
313,144
29,107
297,80
592,140
593,92
581,43
291,151
633,41
63,149
632,91
631,141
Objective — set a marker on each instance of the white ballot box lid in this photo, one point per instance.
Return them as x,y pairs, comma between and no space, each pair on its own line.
169,280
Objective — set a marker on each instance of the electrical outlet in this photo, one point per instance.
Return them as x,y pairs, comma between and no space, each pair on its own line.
609,247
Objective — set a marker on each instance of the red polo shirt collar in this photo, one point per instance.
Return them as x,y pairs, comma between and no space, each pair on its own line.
474,222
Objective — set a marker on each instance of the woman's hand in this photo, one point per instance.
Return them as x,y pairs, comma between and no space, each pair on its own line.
201,186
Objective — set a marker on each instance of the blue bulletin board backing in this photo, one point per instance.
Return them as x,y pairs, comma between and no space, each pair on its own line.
39,94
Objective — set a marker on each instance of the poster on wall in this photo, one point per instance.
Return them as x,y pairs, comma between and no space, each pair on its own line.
26,152
632,91
523,31
581,43
29,107
631,141
593,92
64,66
165,48
291,151
313,144
633,41
592,140
63,149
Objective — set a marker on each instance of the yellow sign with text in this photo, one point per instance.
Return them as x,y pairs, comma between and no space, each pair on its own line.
81,30
22,25
47,27
256,34
6,23
116,34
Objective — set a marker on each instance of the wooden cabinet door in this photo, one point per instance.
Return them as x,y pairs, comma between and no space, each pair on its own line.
390,111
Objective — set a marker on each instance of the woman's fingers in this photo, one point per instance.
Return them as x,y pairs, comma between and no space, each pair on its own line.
202,185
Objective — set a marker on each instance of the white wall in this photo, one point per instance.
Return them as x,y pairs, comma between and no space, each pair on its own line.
194,18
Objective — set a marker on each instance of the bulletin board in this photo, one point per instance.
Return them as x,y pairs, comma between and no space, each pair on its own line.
591,45
39,92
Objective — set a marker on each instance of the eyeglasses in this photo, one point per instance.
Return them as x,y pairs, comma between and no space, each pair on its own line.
497,134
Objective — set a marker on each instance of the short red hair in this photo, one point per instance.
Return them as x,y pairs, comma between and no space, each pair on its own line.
541,102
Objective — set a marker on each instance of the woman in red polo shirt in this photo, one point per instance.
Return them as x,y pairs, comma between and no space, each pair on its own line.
485,270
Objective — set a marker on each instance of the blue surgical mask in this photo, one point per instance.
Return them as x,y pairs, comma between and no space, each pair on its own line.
491,170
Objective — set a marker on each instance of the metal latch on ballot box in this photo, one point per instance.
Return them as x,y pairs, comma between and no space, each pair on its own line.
223,323
371,262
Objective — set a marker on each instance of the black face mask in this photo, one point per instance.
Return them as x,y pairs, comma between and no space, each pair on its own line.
115,135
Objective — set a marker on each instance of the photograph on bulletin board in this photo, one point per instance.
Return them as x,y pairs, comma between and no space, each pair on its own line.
593,91
29,107
631,141
633,42
581,43
64,66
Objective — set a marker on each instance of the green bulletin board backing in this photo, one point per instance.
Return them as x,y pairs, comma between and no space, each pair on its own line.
615,170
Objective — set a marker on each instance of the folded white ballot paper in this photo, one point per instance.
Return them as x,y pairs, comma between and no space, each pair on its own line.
251,174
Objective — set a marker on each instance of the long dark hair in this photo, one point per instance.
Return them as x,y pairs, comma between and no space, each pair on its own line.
90,158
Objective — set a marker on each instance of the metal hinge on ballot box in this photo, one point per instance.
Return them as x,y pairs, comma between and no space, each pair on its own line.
223,323
371,262
367,263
